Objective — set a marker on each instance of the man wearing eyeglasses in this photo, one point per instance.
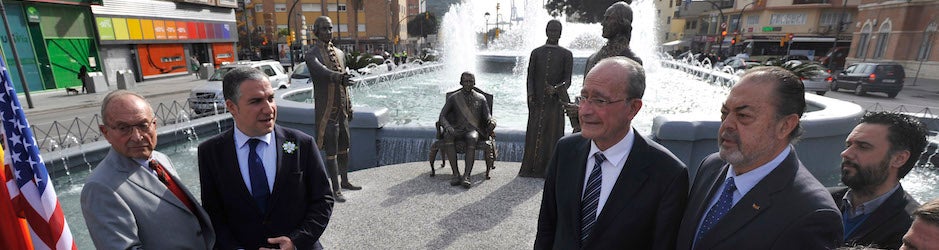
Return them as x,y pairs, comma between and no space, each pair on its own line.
134,198
609,187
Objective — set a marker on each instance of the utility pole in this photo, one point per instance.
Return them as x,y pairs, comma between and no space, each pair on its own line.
834,45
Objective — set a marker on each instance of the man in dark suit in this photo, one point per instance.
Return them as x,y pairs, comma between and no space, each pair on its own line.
755,193
609,187
134,198
881,150
263,185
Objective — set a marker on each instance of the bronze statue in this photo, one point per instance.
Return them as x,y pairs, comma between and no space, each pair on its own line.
617,29
331,82
549,76
465,117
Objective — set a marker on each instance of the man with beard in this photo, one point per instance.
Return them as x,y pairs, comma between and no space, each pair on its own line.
881,150
755,193
617,29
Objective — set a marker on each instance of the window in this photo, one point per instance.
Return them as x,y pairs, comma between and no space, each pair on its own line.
258,8
882,39
268,70
343,28
668,20
311,7
863,40
280,7
787,19
671,3
342,8
361,27
753,20
831,18
926,46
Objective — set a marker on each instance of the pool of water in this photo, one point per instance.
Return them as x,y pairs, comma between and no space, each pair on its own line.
417,100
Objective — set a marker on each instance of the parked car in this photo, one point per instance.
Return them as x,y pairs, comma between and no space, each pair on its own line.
207,98
871,77
300,75
815,77
738,63
801,58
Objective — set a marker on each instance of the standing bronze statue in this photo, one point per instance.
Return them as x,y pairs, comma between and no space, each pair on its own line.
617,29
549,76
331,82
465,117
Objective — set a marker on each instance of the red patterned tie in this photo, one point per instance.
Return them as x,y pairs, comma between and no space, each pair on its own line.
170,184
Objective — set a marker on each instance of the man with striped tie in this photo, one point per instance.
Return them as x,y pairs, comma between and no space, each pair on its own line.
609,187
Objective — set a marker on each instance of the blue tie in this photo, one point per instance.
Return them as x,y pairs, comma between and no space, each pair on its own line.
259,188
723,205
591,198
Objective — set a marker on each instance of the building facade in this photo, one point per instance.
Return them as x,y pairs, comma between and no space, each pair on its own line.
53,40
898,31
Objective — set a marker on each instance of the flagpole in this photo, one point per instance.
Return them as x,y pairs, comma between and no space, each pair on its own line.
16,56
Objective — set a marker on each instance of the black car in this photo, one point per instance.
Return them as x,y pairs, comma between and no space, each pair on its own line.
871,77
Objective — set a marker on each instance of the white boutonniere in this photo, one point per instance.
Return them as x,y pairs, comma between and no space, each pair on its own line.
289,147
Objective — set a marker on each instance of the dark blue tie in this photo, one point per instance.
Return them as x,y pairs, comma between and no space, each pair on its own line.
591,198
724,203
259,188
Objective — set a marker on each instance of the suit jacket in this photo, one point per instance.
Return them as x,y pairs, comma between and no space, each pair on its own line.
885,227
299,205
643,210
127,207
788,209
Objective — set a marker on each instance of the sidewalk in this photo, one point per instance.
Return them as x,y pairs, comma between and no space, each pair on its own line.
58,101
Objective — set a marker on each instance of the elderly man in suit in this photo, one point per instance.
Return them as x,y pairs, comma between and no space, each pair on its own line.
924,233
755,193
609,187
263,185
881,150
134,198
333,112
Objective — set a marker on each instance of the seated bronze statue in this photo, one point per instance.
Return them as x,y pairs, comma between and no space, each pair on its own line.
465,125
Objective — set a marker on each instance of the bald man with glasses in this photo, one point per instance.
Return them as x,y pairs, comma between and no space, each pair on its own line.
134,198
609,187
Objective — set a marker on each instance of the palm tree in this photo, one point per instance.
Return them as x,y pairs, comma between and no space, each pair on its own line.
799,68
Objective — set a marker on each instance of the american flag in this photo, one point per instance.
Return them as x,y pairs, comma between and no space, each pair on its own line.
29,187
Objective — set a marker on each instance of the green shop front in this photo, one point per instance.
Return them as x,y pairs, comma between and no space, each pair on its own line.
53,39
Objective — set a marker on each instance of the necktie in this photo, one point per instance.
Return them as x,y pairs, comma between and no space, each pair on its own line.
259,188
591,198
724,203
170,184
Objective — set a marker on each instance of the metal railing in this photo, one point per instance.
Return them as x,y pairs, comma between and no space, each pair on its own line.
60,135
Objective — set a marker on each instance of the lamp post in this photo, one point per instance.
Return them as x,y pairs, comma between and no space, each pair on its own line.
720,44
740,20
486,37
289,46
834,45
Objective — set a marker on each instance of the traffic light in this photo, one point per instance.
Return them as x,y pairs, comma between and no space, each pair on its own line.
723,32
733,41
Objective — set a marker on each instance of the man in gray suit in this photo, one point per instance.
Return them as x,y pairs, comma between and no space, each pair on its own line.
755,193
134,198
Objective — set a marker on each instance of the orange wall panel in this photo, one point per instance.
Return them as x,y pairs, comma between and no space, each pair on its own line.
223,52
156,59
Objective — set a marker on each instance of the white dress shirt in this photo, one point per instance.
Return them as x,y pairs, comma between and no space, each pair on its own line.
611,168
267,153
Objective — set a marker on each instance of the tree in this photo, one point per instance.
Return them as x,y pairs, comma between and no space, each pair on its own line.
588,11
422,24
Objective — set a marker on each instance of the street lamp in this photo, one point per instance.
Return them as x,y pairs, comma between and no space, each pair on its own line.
720,44
486,37
740,20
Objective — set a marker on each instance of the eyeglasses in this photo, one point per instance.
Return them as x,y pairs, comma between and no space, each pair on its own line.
596,101
126,129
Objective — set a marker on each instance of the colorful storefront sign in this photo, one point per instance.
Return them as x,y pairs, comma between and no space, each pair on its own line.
123,30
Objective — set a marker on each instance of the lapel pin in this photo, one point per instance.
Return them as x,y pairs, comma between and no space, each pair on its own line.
756,207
